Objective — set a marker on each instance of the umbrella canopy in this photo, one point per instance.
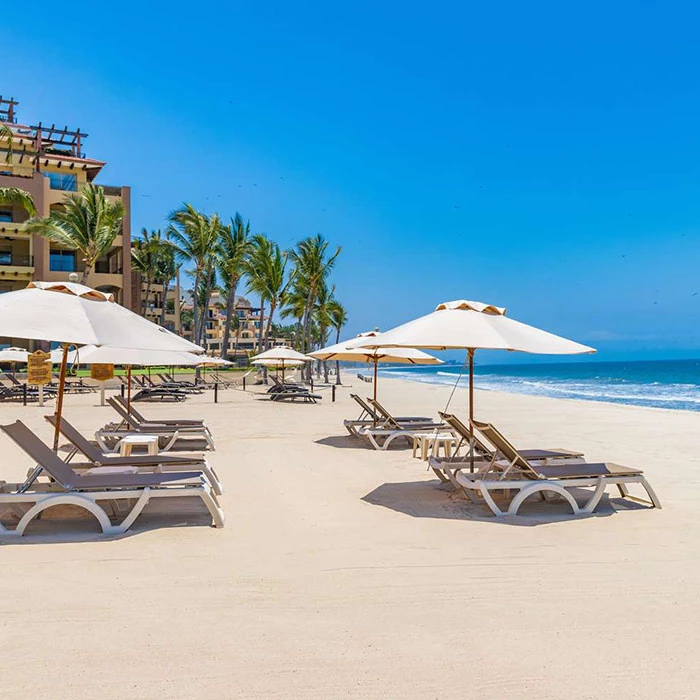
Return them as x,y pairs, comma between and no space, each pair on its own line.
108,355
474,325
67,312
282,354
279,363
211,360
14,355
351,351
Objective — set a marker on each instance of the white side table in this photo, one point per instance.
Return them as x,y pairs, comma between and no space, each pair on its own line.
128,442
431,443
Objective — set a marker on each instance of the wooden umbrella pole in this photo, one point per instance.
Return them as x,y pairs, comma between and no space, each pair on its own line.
376,363
59,400
128,388
471,409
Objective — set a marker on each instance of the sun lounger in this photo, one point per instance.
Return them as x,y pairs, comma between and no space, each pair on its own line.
165,421
278,386
290,394
381,437
369,417
160,462
515,473
180,437
381,411
160,394
446,468
93,488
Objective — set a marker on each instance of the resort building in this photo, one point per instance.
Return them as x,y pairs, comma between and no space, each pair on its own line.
153,310
48,162
244,339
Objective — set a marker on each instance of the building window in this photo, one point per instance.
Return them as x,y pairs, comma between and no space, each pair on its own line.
68,182
5,215
6,257
62,261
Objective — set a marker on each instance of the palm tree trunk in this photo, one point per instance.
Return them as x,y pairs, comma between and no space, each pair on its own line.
273,306
260,330
230,302
195,306
235,344
337,363
86,273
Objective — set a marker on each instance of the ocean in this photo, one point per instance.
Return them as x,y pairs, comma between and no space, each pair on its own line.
659,384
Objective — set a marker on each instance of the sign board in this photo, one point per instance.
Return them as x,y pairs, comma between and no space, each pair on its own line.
39,368
101,373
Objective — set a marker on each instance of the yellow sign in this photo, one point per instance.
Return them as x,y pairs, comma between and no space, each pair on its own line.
101,373
39,368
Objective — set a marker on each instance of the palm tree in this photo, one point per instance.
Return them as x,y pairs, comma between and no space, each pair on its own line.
166,271
323,319
234,246
338,316
266,271
294,307
15,195
311,266
194,238
144,257
88,223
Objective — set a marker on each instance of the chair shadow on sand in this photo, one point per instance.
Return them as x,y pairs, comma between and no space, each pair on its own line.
433,499
347,442
84,527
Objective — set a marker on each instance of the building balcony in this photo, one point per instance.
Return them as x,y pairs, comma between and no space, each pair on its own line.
19,266
9,229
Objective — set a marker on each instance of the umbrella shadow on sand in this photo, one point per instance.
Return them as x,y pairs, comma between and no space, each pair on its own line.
433,499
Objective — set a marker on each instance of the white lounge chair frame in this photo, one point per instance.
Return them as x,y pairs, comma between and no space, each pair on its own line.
45,496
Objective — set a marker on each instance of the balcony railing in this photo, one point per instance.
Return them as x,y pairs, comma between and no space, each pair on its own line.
10,228
16,260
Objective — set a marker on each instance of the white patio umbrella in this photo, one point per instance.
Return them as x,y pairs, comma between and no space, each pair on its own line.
351,351
13,355
71,313
474,325
282,356
131,357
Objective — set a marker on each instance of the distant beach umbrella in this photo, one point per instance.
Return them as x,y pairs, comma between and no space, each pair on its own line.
13,355
71,313
351,351
473,325
283,356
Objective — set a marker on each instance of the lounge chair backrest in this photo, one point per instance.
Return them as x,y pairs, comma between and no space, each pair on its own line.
504,447
383,413
121,410
463,432
365,407
41,453
131,410
13,379
77,439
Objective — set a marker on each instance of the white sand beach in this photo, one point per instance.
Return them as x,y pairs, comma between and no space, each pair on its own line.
348,573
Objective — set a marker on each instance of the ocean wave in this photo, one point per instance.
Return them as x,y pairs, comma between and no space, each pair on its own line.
595,387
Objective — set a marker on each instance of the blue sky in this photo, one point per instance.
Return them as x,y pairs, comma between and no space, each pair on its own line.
539,156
